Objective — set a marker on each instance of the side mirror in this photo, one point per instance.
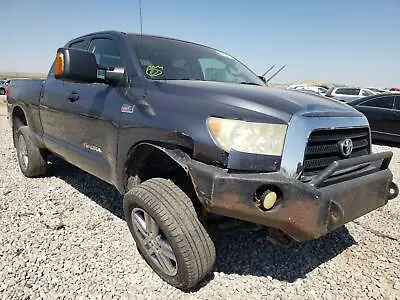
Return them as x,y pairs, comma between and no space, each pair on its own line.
113,76
81,66
76,65
263,79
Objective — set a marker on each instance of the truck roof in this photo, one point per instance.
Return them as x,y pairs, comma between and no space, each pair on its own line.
134,35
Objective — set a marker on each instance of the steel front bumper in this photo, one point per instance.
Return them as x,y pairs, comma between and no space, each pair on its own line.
341,193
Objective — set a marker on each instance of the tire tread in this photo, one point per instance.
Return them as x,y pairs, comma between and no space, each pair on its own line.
37,163
176,211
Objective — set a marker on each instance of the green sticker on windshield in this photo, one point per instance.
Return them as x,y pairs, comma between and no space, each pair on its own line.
154,71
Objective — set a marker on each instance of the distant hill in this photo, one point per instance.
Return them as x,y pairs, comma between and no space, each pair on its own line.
21,75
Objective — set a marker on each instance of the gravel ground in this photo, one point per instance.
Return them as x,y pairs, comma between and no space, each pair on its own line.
64,237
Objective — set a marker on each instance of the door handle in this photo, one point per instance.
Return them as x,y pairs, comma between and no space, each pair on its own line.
73,96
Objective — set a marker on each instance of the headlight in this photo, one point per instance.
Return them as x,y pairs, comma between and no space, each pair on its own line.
242,136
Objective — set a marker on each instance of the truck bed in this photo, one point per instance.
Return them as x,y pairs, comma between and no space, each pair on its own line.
26,91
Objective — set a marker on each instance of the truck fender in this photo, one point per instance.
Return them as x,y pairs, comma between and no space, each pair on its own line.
177,155
21,112
140,153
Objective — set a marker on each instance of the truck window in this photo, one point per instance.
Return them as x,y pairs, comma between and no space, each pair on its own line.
169,59
78,45
106,52
215,70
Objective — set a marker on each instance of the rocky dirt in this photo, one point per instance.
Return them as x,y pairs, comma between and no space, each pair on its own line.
64,236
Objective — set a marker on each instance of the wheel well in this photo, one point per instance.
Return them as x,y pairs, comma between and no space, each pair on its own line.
147,161
18,120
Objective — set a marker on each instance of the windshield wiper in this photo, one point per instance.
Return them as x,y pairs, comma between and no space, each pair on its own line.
250,83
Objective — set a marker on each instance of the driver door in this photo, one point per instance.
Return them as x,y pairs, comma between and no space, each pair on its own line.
83,118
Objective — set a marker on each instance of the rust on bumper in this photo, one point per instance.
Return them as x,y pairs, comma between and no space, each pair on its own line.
304,211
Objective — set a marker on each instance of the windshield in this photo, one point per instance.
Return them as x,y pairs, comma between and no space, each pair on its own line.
169,59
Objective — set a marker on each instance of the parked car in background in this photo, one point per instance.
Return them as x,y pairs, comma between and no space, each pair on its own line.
383,114
307,92
377,91
346,94
295,86
395,90
3,85
317,89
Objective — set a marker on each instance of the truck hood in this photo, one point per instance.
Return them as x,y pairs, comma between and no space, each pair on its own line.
282,104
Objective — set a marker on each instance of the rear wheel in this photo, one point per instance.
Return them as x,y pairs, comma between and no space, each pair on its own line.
32,161
168,234
17,124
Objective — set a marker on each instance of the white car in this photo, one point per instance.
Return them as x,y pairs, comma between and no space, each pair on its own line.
377,91
346,94
317,89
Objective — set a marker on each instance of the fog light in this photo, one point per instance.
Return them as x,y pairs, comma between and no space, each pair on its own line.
268,199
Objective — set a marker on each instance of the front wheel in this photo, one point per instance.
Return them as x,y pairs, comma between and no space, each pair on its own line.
2,91
168,234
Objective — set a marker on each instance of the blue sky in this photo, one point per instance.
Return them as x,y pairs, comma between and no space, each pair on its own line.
349,42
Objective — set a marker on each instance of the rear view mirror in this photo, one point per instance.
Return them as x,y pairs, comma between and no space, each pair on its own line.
114,76
81,66
76,65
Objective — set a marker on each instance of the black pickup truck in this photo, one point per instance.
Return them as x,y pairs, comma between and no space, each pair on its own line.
182,131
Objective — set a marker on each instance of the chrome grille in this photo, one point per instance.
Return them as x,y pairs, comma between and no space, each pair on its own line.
323,147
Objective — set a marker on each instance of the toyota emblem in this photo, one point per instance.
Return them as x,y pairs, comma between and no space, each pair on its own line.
346,147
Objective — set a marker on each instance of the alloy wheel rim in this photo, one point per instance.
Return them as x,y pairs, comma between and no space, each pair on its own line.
154,241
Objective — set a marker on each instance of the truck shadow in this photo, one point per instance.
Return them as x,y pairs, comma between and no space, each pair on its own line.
238,252
97,190
252,254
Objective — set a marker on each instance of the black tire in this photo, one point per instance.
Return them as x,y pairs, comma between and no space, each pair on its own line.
2,91
31,159
174,214
17,124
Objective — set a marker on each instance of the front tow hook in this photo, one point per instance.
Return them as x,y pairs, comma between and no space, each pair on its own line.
393,191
